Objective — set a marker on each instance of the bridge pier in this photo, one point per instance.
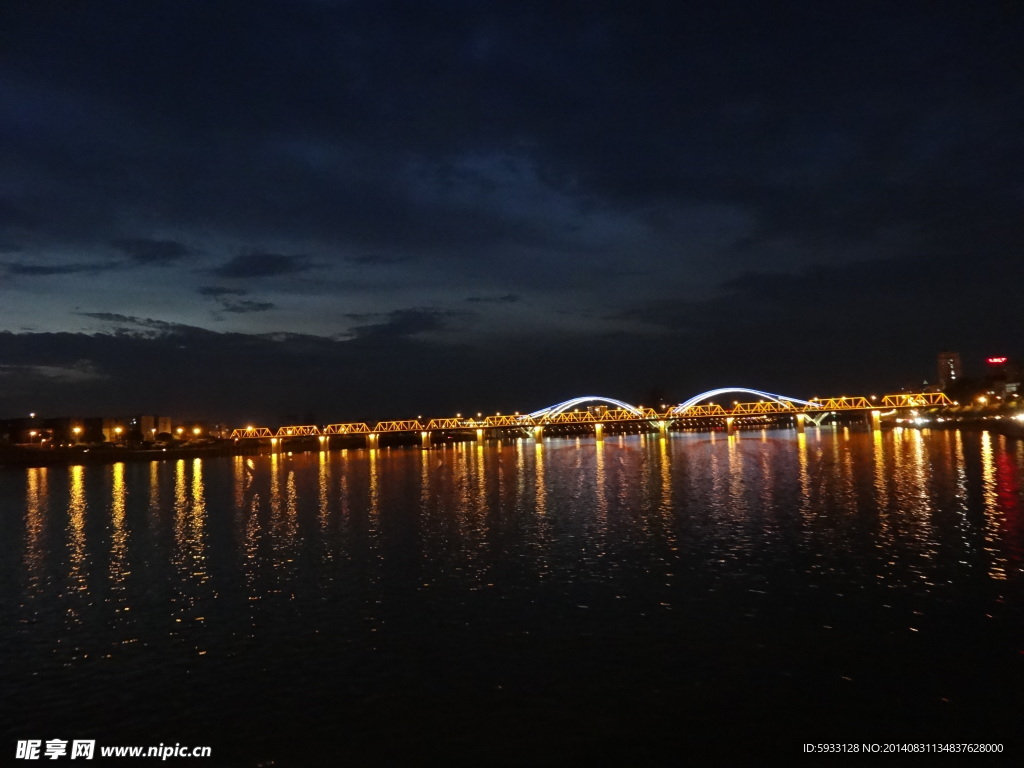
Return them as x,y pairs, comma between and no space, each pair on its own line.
874,419
372,440
798,422
481,436
424,440
730,425
599,431
538,433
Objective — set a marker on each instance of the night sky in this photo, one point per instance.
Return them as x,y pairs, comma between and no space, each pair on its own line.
357,210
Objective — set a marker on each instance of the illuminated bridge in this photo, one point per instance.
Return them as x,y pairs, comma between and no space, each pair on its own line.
599,412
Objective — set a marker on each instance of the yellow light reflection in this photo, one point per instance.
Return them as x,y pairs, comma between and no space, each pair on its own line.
374,483
198,521
600,491
190,541
250,512
993,516
841,464
767,478
283,523
736,474
481,477
180,504
276,463
323,488
805,477
240,477
77,577
425,460
719,476
37,508
961,473
119,538
881,476
520,468
154,488
540,490
665,472
291,507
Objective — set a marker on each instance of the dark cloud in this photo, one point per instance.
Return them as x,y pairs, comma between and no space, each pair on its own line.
216,291
244,306
604,107
255,265
145,322
508,298
843,328
161,252
229,304
723,185
144,327
74,373
374,259
233,306
46,270
180,371
401,324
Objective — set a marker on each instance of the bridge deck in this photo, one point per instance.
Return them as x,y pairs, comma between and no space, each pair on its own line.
606,416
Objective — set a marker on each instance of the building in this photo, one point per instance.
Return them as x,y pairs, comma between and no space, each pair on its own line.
134,429
113,430
950,370
1002,378
150,426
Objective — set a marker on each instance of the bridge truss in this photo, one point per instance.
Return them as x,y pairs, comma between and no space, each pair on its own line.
611,411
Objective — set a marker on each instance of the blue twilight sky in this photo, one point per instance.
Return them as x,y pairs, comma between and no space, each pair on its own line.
257,210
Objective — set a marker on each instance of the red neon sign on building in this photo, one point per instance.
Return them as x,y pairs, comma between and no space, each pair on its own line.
996,360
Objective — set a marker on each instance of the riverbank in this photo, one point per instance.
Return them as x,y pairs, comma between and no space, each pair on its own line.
1002,425
36,456
25,456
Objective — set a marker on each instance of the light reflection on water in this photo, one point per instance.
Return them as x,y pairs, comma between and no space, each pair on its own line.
37,511
368,572
78,573
120,568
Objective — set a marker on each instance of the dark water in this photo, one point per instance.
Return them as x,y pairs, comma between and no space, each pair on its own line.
637,601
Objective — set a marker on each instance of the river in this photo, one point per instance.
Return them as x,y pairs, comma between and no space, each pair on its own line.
624,601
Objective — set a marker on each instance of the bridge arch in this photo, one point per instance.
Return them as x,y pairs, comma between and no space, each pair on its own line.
780,399
554,410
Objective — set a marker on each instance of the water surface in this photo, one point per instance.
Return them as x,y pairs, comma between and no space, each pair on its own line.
621,601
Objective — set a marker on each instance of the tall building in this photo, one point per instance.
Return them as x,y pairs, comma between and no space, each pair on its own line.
150,426
950,371
1003,378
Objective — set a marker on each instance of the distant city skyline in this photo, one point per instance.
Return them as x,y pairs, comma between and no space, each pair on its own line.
374,209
